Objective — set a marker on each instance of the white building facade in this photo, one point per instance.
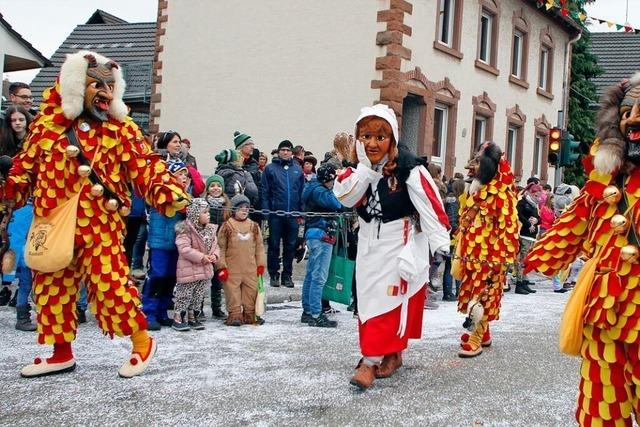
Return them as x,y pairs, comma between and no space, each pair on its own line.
457,72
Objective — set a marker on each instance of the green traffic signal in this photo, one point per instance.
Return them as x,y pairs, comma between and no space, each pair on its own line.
569,150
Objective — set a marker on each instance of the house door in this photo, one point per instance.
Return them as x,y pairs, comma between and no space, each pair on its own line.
412,121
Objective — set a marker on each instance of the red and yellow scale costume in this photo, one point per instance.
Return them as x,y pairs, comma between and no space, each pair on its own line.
45,172
486,244
610,371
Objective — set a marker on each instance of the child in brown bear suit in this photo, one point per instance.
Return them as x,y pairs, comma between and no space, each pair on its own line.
242,259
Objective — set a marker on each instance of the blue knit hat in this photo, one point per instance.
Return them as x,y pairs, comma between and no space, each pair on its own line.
175,165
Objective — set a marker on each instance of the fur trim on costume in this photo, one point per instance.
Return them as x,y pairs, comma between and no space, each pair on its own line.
612,149
73,75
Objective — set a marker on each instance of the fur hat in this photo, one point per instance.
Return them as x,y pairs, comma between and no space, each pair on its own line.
227,156
211,180
73,76
238,200
311,160
611,152
240,139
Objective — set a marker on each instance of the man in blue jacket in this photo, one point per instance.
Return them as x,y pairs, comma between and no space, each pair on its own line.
321,236
282,184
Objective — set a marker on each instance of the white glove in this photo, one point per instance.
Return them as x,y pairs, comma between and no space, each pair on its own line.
362,154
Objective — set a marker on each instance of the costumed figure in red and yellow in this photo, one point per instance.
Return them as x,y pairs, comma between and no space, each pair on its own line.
603,224
402,221
87,100
486,244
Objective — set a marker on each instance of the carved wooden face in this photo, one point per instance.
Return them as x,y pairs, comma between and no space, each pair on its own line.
630,122
376,135
98,92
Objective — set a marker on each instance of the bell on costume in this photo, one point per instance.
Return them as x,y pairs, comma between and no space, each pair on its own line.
125,211
630,253
611,195
112,205
97,190
84,171
72,151
619,224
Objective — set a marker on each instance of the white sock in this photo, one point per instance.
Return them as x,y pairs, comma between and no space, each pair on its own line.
372,360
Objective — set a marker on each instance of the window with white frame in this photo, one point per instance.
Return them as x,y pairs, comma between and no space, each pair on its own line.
517,54
486,35
446,10
440,133
479,131
544,69
512,141
538,149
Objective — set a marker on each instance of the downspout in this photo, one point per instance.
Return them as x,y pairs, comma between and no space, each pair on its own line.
563,120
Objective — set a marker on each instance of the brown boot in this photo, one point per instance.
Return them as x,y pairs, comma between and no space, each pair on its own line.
364,376
249,318
234,319
389,365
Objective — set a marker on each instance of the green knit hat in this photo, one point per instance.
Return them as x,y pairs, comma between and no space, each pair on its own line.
240,139
227,156
212,179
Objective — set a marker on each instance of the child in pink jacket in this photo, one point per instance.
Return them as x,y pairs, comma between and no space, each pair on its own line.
197,253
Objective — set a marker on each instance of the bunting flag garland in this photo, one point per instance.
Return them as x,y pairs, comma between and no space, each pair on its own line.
582,17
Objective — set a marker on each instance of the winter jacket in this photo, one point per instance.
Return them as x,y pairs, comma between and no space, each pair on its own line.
137,206
452,209
17,230
192,265
241,255
237,180
526,210
318,198
161,230
282,185
197,184
547,216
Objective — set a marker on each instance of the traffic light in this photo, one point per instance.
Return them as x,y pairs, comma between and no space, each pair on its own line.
555,142
569,150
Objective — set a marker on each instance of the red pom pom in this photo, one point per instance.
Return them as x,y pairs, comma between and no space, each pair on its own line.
37,361
133,361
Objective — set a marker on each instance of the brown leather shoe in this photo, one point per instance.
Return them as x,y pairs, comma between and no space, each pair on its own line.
364,377
389,365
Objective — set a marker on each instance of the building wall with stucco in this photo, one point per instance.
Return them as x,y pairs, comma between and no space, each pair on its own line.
301,70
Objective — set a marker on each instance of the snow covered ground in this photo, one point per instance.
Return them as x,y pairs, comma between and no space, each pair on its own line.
287,373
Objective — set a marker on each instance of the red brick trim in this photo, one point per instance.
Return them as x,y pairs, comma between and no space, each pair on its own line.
156,96
542,128
483,106
516,117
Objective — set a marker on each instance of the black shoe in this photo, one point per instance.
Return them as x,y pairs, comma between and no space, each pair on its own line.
275,280
560,291
507,288
82,316
287,282
306,318
322,322
5,295
330,310
218,313
194,324
449,298
521,290
259,321
352,307
527,288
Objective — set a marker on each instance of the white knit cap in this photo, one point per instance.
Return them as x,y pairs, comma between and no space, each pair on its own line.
382,111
